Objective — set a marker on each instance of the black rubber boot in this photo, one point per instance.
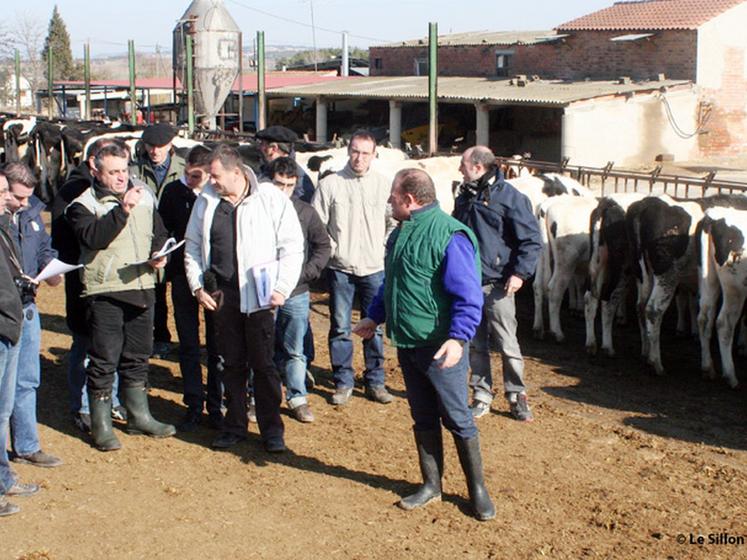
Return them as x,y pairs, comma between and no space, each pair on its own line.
139,419
100,403
471,460
431,454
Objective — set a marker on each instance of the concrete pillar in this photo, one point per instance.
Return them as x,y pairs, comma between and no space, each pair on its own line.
482,124
321,119
567,148
395,124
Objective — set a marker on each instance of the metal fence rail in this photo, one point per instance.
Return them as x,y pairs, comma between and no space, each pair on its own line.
606,180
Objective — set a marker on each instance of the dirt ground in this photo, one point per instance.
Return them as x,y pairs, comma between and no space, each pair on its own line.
618,464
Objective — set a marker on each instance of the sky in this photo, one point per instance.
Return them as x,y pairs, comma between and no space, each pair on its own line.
108,25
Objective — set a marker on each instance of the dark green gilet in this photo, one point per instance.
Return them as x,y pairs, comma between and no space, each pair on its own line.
418,310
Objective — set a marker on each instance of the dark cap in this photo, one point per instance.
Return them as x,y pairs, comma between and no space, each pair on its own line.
277,134
159,134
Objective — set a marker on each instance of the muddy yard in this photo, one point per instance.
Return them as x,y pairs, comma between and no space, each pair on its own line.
618,464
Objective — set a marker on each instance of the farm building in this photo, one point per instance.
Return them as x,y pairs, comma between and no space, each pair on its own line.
629,83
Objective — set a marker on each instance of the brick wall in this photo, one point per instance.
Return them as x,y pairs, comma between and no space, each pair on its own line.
586,54
727,126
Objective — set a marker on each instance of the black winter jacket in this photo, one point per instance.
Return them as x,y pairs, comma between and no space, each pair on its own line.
11,311
317,246
506,229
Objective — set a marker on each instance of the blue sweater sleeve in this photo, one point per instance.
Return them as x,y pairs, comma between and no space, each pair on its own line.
462,283
376,310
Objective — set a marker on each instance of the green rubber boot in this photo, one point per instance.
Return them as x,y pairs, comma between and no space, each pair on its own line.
139,419
100,403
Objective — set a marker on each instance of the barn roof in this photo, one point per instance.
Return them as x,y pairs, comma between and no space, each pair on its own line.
557,93
651,14
478,38
249,81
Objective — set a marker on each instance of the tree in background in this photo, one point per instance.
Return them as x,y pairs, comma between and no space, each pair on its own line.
307,57
64,67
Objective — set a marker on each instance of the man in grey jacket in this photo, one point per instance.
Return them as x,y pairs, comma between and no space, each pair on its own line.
352,203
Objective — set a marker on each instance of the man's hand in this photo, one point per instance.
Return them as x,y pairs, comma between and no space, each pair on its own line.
158,263
55,280
513,284
277,299
365,328
131,198
451,351
204,299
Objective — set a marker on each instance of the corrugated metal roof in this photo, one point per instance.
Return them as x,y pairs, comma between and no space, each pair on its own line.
478,38
651,14
471,90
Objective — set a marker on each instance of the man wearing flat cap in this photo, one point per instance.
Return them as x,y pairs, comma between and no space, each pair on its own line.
156,164
275,142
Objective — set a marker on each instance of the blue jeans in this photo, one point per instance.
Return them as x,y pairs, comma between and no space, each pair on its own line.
76,376
291,325
24,435
437,395
343,287
8,365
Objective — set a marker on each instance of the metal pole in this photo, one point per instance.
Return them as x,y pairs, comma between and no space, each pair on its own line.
262,110
345,63
18,82
241,82
190,85
432,88
133,92
87,77
313,34
50,83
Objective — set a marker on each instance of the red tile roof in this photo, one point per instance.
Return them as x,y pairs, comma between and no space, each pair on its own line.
249,81
651,14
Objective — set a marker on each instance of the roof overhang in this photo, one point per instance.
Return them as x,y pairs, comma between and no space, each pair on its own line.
490,91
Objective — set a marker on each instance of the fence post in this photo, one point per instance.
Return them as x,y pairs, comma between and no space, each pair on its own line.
50,83
87,77
133,90
18,82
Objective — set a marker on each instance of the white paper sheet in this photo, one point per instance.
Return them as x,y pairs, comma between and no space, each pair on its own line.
54,268
170,246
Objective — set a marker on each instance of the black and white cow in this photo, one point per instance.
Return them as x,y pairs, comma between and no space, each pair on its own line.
662,233
564,231
723,272
609,265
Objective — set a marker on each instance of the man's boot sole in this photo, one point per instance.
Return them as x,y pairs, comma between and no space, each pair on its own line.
402,505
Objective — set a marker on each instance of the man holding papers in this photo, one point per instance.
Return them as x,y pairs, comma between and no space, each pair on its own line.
238,227
116,224
35,250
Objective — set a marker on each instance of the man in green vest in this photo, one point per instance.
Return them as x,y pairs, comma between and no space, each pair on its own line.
431,302
119,231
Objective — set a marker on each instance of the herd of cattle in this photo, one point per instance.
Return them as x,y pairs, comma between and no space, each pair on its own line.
595,249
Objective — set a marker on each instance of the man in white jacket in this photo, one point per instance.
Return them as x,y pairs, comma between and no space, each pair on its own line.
243,257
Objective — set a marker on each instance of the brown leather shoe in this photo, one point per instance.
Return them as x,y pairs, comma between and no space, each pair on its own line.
38,459
303,413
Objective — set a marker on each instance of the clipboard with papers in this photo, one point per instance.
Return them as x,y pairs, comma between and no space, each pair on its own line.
169,247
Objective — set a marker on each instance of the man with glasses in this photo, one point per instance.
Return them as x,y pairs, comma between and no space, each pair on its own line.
175,207
352,203
292,319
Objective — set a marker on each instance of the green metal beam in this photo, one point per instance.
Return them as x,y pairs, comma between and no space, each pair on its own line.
133,90
189,67
432,88
261,97
18,82
87,77
50,82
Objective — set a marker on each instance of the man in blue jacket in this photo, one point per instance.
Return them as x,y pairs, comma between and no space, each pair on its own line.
508,236
35,250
